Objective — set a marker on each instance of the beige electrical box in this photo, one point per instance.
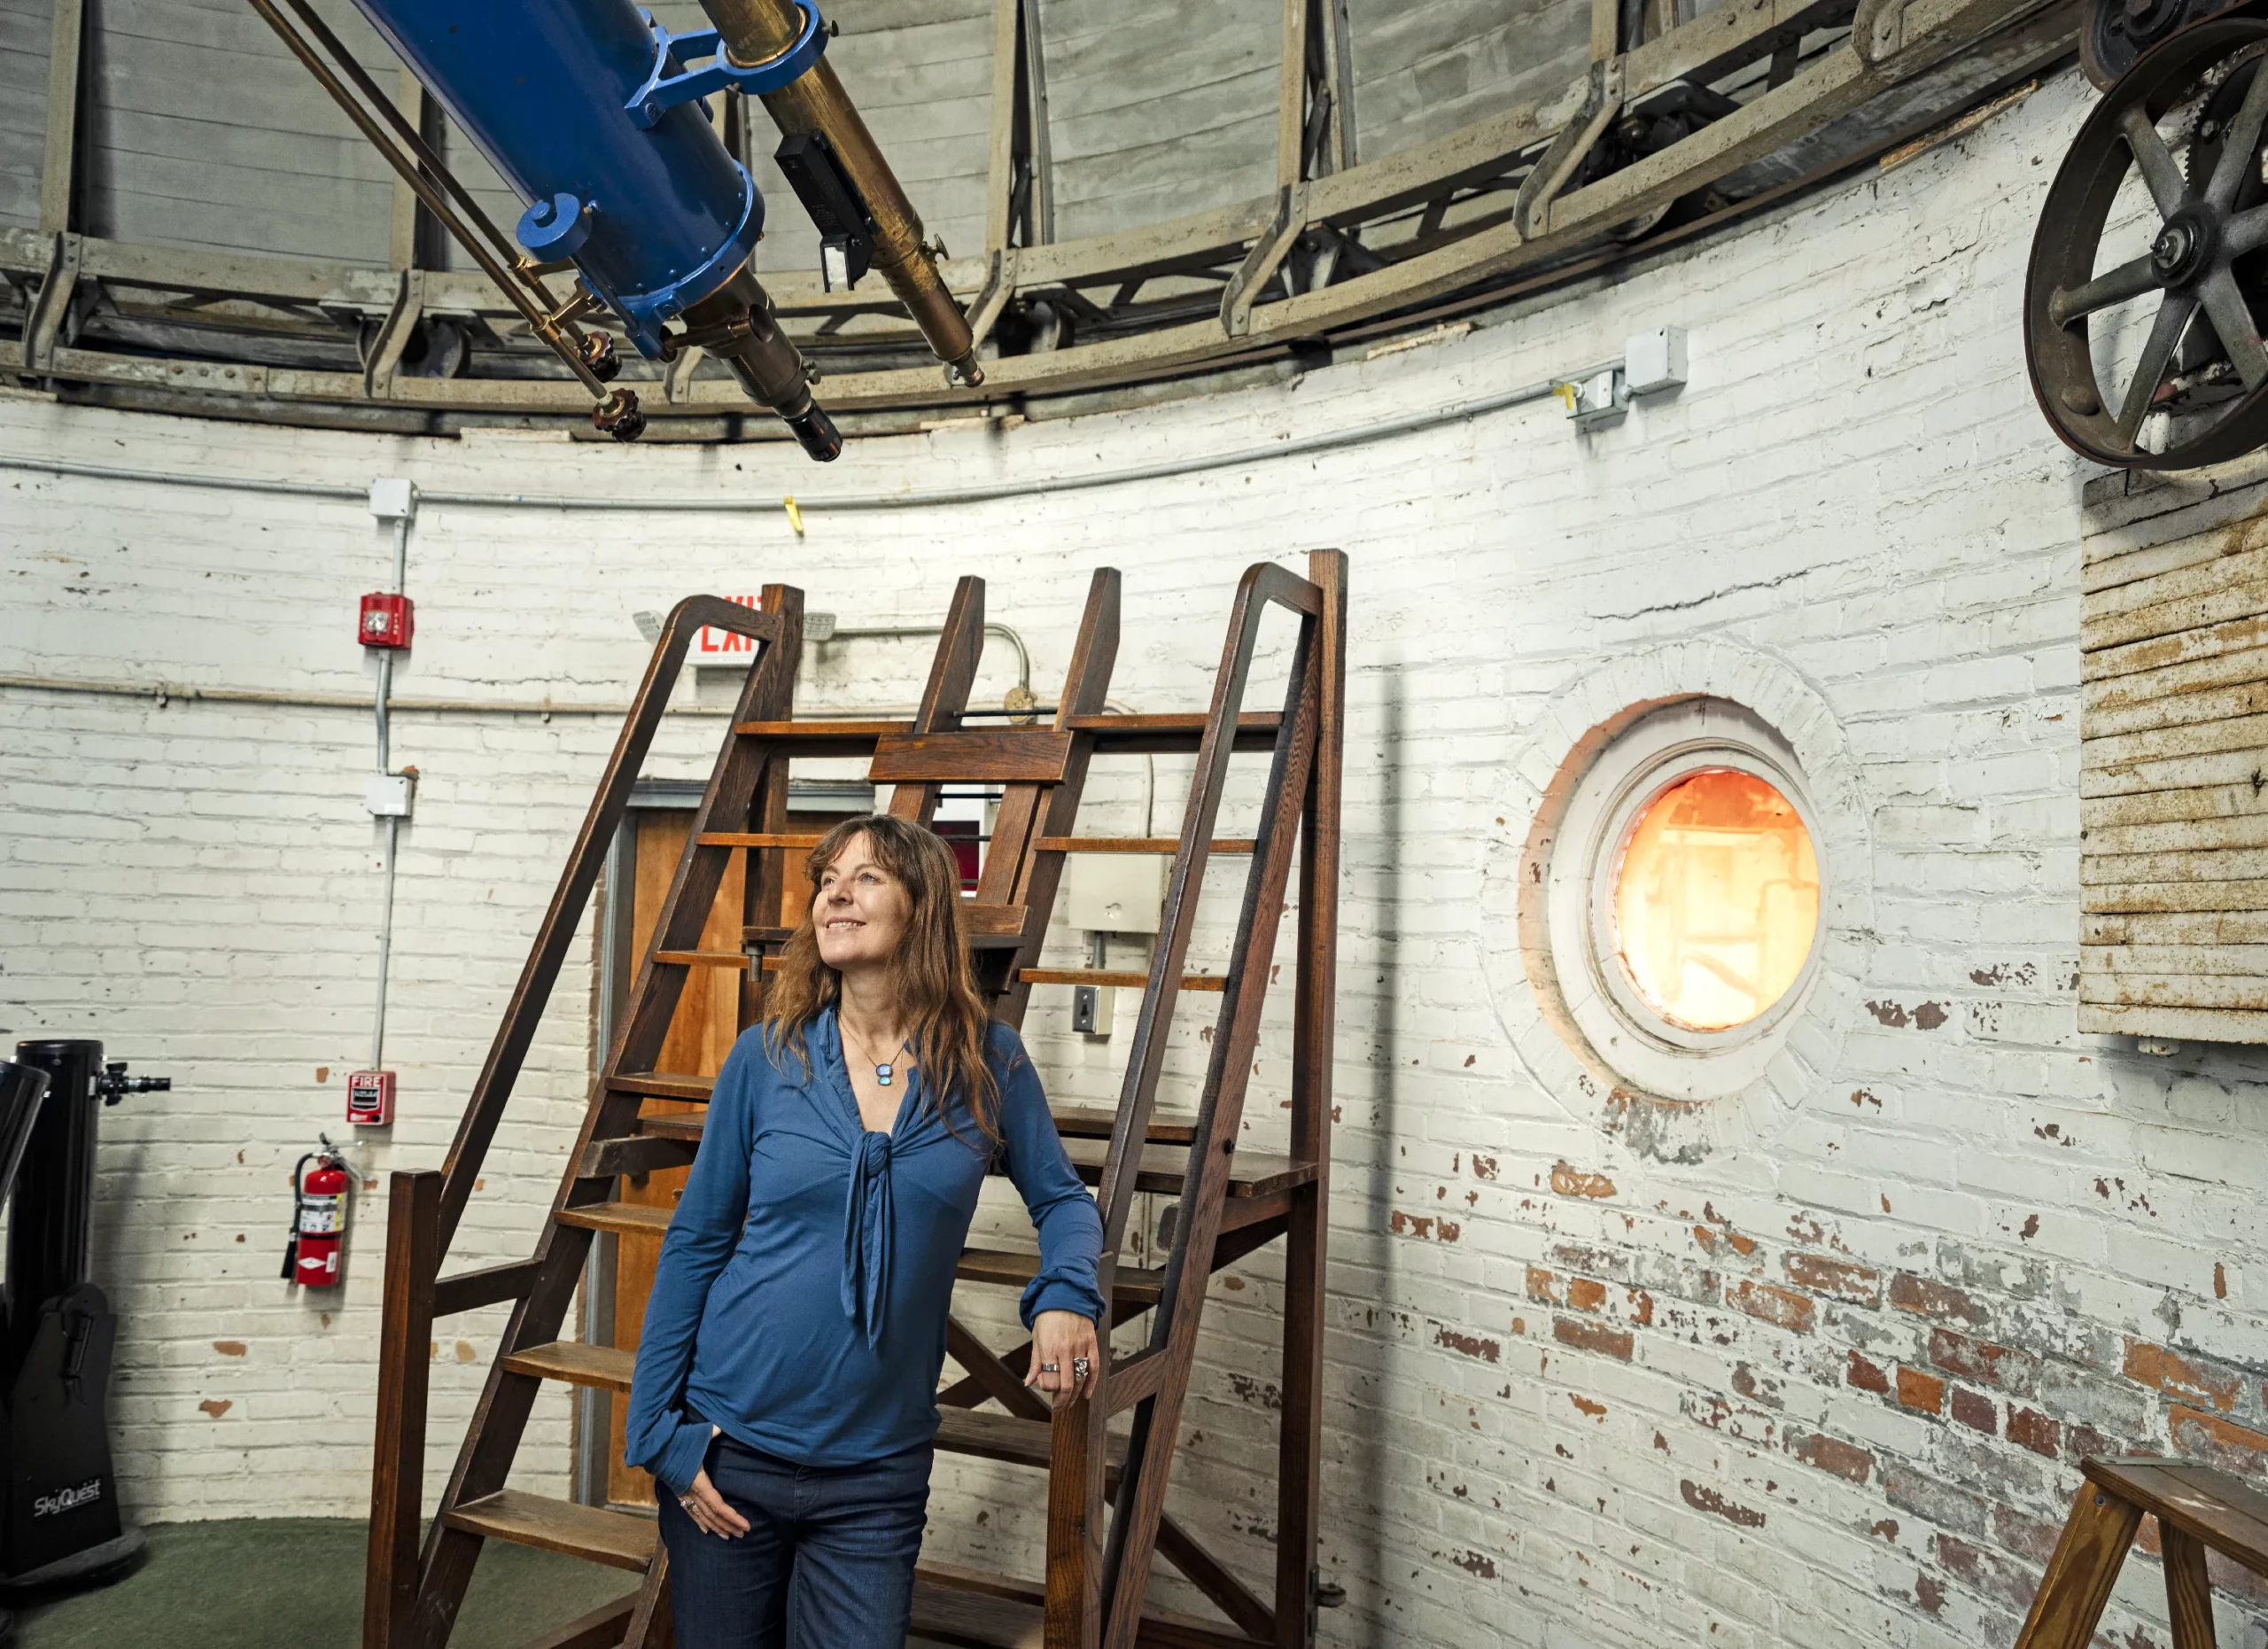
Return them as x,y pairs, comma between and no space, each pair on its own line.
1114,893
2174,763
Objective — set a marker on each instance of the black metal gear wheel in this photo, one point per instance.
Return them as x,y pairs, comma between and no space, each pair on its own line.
2198,393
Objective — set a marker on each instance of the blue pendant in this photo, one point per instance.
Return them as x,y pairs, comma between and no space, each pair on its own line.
882,1074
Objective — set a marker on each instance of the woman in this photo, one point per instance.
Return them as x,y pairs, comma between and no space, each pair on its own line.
785,1390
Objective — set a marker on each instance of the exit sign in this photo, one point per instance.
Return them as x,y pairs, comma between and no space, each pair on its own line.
712,646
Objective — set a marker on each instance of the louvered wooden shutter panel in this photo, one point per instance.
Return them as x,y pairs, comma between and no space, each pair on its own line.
2173,735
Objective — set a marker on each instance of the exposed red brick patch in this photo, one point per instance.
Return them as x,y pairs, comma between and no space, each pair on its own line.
1475,1563
2032,1430
1593,1337
1471,1345
2027,1537
1765,1391
1974,1410
1971,1359
1483,1167
1570,1181
1988,1572
1929,1594
1709,1500
1887,1529
1542,1285
1705,1237
1741,1246
1926,1298
1597,1410
229,1348
216,1406
1641,1308
1866,1376
1861,1285
2220,1442
2154,1365
1584,1294
1774,1304
1918,1390
2220,1282
1831,1454
2236,1579
1425,1227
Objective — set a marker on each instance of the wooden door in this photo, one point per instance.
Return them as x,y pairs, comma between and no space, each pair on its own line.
701,1035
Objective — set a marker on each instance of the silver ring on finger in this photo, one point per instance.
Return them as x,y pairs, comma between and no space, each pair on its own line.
1079,1367
1051,1368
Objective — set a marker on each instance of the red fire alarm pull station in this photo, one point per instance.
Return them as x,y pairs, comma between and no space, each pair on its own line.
387,621
369,1099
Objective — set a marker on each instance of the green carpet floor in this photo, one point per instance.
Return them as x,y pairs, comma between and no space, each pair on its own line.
295,1584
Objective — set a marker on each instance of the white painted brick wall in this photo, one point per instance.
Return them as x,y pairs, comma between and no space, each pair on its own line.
1827,1384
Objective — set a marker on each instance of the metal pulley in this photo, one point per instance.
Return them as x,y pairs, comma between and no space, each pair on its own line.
2148,286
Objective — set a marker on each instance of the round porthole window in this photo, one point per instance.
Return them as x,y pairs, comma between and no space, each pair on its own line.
1683,909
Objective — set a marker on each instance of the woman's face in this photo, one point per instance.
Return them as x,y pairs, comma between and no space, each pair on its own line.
858,910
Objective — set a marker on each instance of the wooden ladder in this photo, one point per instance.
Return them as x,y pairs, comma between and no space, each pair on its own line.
1236,1200
2198,1509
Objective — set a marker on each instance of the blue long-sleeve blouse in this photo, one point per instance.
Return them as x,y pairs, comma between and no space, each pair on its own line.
801,1295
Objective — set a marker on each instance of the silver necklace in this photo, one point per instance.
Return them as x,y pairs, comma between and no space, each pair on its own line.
883,1071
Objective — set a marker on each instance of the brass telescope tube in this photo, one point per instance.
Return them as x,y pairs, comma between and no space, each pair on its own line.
756,31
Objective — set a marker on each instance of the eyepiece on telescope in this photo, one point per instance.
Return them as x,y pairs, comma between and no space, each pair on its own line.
817,435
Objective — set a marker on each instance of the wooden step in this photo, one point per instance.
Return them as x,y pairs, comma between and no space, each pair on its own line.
1116,976
629,1219
1135,1287
663,1084
973,755
1093,1122
571,1361
990,1436
970,1610
1073,1122
1138,735
616,1538
1251,1173
654,1152
813,739
735,960
1164,844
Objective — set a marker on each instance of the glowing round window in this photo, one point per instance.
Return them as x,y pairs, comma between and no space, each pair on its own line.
1682,902
1716,900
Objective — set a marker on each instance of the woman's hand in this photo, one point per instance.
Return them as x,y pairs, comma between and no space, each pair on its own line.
1064,1357
709,1509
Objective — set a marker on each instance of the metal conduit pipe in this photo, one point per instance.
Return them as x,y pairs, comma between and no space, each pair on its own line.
842,631
1329,441
757,32
393,820
165,692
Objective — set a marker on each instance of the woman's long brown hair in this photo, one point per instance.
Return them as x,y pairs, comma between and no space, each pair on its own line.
945,1018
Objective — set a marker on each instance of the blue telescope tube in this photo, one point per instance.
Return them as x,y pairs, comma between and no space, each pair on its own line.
572,101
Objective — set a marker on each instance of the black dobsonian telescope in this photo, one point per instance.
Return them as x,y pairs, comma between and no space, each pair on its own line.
59,1521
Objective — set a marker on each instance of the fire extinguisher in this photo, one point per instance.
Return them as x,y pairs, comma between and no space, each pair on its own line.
318,1219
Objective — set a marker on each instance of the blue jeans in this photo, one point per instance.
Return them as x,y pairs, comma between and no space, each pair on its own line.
826,1563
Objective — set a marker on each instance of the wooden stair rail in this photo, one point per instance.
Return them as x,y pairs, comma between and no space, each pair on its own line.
401,1609
2198,1509
1105,1493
